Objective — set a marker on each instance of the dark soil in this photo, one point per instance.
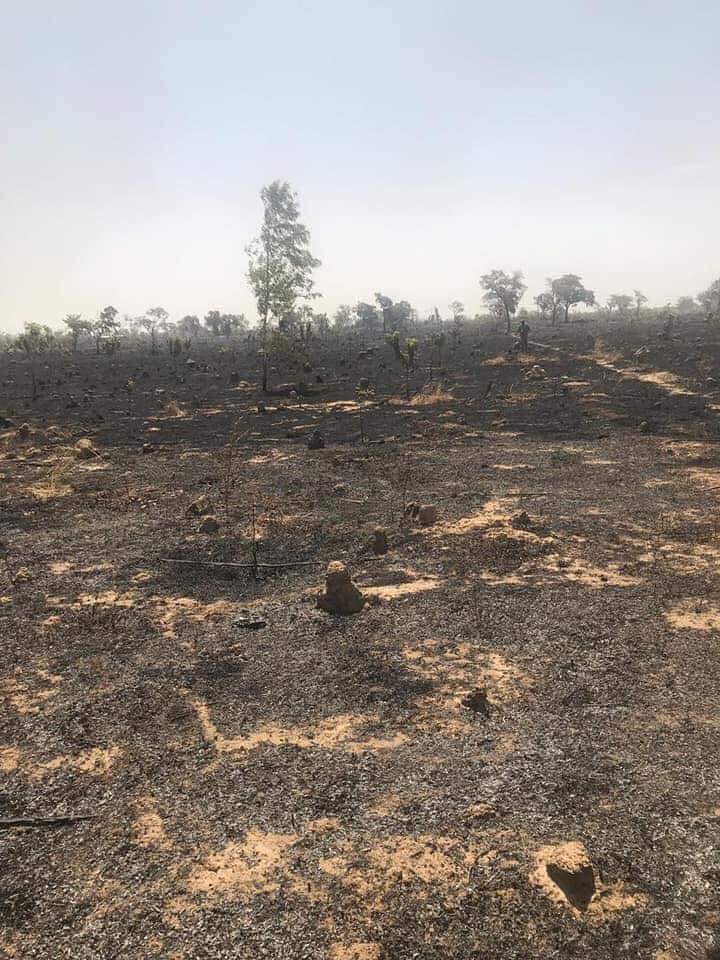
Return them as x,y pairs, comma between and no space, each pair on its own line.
538,668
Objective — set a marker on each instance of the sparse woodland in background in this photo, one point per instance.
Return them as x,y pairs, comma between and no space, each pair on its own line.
280,274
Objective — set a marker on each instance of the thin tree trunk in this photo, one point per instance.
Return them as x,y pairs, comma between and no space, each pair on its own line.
265,321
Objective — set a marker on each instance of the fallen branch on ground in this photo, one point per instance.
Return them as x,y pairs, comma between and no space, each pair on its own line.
43,821
242,566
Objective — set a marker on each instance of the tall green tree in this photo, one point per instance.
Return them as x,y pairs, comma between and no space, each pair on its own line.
685,306
34,341
367,318
620,302
213,322
640,299
280,267
386,305
76,328
157,319
546,306
570,291
343,317
710,299
106,325
189,326
503,291
457,309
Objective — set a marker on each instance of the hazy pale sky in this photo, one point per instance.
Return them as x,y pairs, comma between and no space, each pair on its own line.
429,142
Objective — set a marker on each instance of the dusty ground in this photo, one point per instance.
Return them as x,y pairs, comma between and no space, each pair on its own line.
316,787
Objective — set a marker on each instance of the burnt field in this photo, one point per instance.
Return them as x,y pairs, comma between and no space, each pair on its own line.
509,752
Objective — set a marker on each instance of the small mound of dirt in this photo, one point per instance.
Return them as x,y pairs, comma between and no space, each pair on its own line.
341,595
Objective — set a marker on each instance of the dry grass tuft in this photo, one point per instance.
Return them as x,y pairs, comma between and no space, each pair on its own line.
431,394
172,409
601,352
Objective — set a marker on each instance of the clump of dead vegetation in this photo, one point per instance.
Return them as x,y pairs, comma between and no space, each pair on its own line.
431,395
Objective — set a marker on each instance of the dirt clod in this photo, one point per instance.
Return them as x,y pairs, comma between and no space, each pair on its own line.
478,702
209,524
427,514
341,595
200,507
316,441
84,449
379,544
570,869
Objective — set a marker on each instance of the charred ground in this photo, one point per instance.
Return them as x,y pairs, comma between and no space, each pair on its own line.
317,786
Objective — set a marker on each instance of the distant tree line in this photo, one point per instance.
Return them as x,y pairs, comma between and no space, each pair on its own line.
280,274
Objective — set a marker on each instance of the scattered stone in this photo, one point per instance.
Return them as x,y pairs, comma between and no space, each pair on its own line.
412,510
200,507
209,525
84,449
341,595
521,521
427,515
22,575
480,811
379,543
249,621
477,701
316,441
644,427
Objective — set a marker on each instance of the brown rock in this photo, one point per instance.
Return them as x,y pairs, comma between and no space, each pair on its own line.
379,542
427,515
521,521
316,441
477,701
84,449
199,507
341,595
